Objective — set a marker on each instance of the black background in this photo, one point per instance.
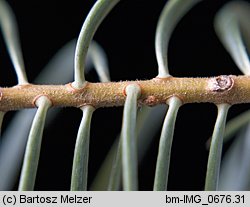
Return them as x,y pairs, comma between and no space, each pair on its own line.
127,36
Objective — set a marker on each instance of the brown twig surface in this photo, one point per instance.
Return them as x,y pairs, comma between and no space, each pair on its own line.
221,89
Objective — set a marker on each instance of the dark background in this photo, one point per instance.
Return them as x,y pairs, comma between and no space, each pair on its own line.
127,36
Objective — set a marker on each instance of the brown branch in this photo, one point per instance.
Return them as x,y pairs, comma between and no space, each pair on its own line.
221,89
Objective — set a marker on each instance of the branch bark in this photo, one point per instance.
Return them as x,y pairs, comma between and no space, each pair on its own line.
221,89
